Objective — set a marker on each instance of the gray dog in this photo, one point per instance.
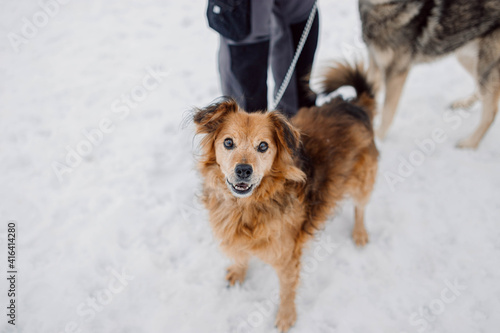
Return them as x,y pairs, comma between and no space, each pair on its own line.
401,33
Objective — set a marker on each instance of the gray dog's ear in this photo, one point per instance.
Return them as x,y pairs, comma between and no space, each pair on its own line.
209,119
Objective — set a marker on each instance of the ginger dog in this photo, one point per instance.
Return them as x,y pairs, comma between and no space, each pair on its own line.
270,183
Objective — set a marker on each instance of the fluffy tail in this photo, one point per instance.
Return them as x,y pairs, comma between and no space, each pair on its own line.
343,74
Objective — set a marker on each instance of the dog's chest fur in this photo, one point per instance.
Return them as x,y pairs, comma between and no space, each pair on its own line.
253,227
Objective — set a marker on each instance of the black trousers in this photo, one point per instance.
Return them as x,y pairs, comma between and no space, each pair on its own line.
275,30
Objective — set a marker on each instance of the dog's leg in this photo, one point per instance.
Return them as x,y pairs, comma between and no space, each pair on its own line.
490,98
361,191
359,234
467,57
374,73
237,271
288,275
394,82
488,76
465,103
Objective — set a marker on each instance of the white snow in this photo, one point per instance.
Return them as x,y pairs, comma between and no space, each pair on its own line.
131,205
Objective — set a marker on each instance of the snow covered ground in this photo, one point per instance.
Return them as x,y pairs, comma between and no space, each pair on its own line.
116,241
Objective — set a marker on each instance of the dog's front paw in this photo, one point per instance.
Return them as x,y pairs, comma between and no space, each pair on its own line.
465,103
468,143
360,237
460,104
235,274
286,318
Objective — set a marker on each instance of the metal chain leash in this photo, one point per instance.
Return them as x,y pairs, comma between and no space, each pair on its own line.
298,51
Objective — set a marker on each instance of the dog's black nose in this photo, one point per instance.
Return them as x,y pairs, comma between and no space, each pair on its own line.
243,171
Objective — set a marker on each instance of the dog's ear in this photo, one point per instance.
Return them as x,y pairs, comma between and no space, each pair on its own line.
286,134
288,140
209,119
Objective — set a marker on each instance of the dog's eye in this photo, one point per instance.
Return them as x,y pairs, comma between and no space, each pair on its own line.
228,143
262,147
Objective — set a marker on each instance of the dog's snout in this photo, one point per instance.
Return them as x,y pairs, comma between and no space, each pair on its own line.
243,171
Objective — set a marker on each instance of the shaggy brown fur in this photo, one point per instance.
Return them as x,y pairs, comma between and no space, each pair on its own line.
324,154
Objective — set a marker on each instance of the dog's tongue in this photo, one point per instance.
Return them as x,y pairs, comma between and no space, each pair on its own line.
241,186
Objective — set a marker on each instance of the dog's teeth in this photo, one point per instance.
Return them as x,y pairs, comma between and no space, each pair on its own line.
241,187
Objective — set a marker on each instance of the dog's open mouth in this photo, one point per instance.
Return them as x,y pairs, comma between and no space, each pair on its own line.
240,188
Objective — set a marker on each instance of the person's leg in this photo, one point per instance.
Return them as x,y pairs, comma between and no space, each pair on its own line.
243,73
243,65
306,97
288,22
